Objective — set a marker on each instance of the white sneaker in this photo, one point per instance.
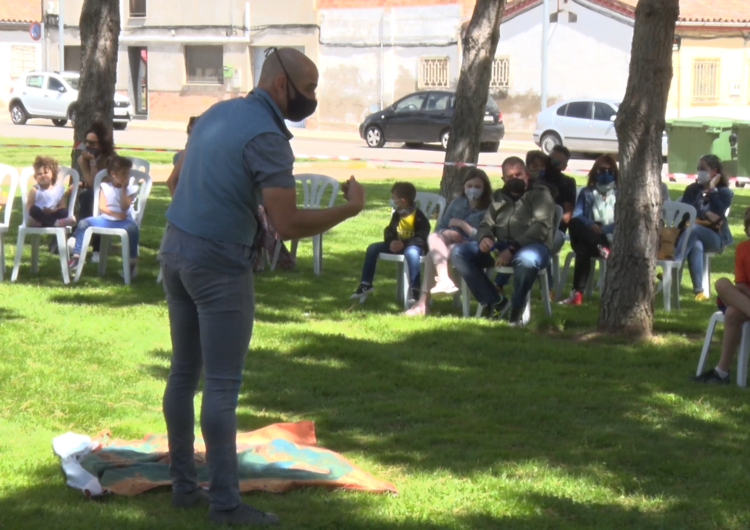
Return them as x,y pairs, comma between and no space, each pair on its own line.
94,257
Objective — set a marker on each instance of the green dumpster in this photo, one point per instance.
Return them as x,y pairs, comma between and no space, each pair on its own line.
742,130
691,138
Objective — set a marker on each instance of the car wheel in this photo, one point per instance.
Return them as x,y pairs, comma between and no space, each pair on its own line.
120,126
549,141
413,145
60,123
18,114
444,139
374,137
490,147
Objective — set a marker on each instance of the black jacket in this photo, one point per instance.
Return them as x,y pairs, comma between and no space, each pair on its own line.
421,230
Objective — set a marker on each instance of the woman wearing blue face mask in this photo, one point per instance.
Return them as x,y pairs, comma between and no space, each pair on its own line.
593,224
458,224
711,197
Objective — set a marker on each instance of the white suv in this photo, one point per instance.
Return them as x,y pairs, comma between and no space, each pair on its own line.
53,96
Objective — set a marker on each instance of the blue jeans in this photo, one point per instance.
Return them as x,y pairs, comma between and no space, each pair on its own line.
100,222
211,322
411,256
702,239
470,263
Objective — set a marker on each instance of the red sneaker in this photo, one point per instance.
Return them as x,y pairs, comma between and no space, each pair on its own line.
575,298
603,251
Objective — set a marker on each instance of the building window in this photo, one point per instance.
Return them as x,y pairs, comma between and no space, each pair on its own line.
500,73
22,60
433,72
706,81
137,8
204,65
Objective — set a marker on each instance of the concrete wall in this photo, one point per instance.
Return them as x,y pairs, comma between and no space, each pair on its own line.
588,58
8,39
357,72
734,54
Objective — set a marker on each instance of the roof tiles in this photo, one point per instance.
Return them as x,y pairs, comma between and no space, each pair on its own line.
20,11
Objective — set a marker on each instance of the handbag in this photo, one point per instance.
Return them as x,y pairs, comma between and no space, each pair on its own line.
667,243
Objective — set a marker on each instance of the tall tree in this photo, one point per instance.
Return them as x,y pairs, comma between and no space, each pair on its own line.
479,44
100,32
627,304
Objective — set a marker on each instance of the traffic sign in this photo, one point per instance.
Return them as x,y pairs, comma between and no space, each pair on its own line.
35,30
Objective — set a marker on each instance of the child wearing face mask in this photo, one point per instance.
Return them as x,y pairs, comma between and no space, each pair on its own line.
735,297
711,197
46,205
406,234
593,223
458,224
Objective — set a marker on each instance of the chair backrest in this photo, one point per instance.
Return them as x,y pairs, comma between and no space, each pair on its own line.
664,191
672,214
63,173
140,164
141,179
314,187
430,203
9,174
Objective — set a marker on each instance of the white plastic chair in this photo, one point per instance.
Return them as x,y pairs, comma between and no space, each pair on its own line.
716,318
313,189
429,203
139,164
492,271
707,263
672,213
36,232
9,173
144,183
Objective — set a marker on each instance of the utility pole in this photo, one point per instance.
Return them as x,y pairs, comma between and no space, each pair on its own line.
61,34
545,52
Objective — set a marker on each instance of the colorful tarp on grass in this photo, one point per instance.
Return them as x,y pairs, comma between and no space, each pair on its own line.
275,458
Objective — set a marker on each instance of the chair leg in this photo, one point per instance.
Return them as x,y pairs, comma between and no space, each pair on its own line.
61,245
676,294
316,254
465,299
2,258
707,276
84,251
103,254
602,275
555,264
19,253
564,276
293,251
276,252
707,342
125,251
545,292
667,290
742,357
158,276
35,253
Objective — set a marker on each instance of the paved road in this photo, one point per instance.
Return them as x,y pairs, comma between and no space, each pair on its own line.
306,143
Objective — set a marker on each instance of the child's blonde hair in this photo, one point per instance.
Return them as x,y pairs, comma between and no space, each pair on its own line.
48,162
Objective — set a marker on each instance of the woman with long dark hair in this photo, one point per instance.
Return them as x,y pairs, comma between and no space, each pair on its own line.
459,223
593,224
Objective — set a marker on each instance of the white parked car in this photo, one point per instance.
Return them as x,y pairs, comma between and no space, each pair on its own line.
583,125
53,95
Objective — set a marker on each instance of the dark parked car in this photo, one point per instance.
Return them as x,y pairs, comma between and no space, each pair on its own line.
425,117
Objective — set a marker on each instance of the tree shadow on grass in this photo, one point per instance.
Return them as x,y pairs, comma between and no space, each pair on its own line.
9,314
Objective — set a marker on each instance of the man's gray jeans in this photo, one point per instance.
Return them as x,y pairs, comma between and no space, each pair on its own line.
211,320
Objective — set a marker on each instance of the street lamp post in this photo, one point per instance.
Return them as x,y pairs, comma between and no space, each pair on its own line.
61,33
545,53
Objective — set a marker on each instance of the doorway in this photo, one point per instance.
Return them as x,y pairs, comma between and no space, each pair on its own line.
138,58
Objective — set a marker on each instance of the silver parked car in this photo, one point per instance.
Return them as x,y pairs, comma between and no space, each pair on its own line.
583,125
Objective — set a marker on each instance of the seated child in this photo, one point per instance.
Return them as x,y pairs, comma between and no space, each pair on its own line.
115,210
46,201
736,298
406,234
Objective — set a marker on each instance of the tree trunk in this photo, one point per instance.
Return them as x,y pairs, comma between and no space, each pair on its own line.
627,303
100,31
479,45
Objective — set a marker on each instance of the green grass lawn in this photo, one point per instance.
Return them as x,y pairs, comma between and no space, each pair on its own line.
480,426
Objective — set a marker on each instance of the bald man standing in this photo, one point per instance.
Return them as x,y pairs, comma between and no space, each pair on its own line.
238,156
